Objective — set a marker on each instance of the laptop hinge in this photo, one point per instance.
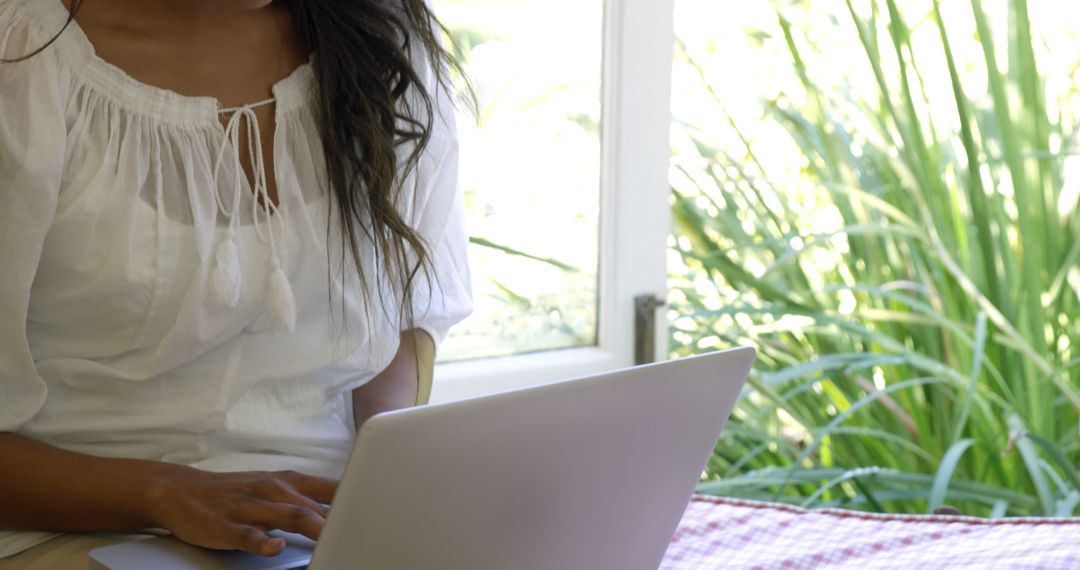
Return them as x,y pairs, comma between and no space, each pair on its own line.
645,307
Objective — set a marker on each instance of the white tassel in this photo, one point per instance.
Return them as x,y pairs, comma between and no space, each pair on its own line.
282,309
225,277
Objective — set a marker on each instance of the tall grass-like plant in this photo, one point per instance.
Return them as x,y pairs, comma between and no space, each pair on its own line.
913,293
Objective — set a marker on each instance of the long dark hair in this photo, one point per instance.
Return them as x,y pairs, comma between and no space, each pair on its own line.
364,61
364,54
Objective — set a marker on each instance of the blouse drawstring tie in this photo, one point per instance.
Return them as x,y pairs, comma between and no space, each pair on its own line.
225,277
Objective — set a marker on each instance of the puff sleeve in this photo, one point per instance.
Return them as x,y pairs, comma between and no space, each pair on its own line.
32,150
437,212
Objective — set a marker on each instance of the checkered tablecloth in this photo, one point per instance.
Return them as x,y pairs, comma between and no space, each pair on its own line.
730,533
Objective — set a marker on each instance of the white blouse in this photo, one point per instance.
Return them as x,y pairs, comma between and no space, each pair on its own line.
150,307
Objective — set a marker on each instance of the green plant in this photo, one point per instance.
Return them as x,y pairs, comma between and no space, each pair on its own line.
912,294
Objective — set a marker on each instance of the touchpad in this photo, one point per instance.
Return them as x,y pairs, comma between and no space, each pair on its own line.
168,553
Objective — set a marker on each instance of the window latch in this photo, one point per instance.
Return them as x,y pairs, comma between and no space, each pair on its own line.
645,307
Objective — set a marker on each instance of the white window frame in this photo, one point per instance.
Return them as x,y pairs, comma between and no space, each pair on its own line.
635,213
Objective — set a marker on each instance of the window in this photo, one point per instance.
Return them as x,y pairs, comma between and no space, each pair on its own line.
530,167
599,78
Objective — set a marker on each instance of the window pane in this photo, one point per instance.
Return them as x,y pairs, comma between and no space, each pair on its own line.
530,166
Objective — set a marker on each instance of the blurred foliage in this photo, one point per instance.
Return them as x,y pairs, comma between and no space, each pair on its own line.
912,287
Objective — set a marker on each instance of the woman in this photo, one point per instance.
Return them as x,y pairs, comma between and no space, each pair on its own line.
229,233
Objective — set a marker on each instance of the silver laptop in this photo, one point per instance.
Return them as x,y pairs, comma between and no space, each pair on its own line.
592,473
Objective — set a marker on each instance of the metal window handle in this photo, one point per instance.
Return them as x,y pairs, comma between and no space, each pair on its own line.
645,307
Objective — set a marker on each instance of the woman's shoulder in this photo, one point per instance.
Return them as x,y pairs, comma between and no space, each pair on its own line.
30,37
34,92
41,19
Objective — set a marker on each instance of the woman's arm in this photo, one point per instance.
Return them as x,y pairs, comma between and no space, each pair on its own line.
404,383
46,488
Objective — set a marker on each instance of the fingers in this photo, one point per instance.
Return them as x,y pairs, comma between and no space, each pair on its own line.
233,511
278,490
253,540
288,501
287,517
310,504
317,488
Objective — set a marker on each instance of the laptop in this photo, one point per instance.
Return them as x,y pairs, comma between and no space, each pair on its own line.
592,473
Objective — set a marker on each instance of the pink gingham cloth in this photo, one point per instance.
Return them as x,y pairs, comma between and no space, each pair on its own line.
731,533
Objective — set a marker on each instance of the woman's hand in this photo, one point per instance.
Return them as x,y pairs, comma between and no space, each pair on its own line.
234,511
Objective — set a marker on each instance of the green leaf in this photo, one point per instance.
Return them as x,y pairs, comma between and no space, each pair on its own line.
483,242
1033,464
943,477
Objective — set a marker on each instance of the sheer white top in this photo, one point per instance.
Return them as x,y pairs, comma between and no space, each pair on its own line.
111,218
